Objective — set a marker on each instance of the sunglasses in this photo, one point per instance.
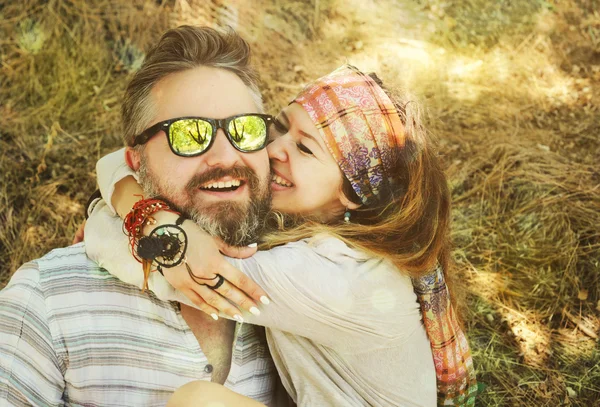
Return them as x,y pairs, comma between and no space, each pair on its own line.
192,136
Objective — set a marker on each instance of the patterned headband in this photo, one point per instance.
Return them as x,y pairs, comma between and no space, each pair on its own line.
360,126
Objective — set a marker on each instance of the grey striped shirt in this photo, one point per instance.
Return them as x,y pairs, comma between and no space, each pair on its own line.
72,334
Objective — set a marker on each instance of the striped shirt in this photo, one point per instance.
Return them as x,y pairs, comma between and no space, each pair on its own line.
72,334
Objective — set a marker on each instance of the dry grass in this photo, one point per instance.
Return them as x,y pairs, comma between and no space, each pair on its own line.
512,90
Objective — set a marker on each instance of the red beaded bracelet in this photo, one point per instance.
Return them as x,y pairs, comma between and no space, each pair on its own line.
133,225
140,216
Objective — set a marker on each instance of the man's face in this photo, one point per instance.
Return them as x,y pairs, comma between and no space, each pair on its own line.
234,214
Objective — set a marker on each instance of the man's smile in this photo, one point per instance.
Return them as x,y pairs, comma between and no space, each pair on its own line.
224,189
226,184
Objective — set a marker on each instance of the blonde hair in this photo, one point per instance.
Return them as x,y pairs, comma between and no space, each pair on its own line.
410,224
179,49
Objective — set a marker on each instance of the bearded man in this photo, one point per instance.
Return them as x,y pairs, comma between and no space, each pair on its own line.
72,334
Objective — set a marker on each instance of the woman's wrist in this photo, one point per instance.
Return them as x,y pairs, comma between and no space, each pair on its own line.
160,218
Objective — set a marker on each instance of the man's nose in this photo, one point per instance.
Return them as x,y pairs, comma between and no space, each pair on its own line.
222,153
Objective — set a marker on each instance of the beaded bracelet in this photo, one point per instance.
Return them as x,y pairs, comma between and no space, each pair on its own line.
133,227
140,216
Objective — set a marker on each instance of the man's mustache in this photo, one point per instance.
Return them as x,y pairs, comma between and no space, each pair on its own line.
237,172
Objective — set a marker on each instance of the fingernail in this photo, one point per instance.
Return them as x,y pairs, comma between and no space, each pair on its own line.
254,311
253,245
238,318
214,316
265,300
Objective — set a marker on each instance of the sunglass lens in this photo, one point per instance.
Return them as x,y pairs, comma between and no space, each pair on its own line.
190,136
248,132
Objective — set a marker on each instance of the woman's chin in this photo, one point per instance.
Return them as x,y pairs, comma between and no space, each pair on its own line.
282,193
284,201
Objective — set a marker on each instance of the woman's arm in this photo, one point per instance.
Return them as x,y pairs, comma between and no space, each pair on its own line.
118,185
110,170
314,296
328,293
126,193
320,292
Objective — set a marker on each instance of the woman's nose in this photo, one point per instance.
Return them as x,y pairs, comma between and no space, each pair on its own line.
277,149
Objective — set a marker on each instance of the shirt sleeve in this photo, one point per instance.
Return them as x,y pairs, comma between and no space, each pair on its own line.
30,369
326,294
111,169
107,245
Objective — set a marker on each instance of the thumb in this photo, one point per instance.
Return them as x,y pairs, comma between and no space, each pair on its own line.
236,251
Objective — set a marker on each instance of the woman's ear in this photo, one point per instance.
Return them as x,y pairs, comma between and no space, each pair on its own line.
348,203
351,205
132,158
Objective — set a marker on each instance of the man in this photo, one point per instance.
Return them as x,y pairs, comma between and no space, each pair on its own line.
72,334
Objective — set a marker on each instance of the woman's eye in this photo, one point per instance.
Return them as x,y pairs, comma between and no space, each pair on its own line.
303,148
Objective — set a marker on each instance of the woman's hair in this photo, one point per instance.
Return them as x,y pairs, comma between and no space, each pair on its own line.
179,49
410,224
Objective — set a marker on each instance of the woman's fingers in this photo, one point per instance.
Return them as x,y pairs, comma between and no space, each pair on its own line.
198,290
239,288
233,294
201,304
215,300
178,277
234,251
251,292
236,296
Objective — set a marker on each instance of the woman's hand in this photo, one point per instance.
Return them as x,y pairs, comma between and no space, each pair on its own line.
236,252
201,269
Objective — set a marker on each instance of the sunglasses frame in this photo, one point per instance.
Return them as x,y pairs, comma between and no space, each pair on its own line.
216,124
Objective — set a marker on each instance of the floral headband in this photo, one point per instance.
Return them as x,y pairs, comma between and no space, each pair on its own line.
360,126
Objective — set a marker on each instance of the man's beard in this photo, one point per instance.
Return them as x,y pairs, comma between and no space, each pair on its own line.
237,224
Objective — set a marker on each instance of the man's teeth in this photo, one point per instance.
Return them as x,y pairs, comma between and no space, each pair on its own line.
226,184
280,181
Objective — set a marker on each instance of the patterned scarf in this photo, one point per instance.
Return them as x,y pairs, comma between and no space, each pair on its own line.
361,128
456,382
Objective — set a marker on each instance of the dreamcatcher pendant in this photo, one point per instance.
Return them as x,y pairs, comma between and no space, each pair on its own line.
166,246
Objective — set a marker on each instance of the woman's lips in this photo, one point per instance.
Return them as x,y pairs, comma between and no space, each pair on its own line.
280,183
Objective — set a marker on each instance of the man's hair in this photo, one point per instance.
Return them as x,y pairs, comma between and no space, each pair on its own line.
179,49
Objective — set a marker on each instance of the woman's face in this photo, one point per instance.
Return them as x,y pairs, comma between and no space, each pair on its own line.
307,179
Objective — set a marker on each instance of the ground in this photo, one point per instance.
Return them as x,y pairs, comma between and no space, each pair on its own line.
511,90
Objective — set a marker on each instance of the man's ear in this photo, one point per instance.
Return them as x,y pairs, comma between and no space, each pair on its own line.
132,158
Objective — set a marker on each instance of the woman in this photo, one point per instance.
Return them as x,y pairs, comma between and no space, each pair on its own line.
344,327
